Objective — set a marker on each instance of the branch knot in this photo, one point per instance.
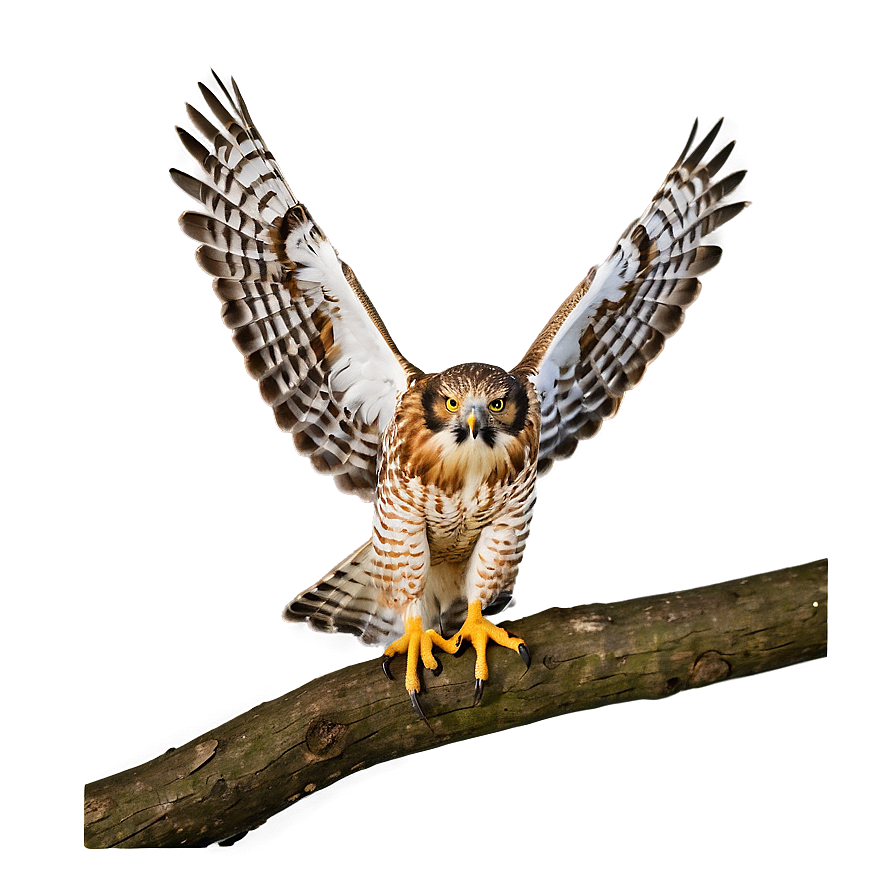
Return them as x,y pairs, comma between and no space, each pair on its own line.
708,668
323,736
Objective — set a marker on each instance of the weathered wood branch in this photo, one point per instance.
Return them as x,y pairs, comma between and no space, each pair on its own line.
232,779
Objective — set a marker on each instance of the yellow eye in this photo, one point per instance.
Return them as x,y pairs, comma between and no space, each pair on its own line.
497,405
451,404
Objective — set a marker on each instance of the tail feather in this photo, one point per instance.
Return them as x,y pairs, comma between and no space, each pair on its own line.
345,600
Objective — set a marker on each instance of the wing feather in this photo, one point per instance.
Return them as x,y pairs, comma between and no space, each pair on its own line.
310,336
601,339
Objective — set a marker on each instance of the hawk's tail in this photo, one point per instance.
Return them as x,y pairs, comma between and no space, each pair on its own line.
345,600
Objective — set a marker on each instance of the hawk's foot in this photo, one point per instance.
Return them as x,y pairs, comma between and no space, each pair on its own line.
417,644
479,631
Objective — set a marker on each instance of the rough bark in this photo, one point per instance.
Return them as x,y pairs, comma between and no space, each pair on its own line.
230,780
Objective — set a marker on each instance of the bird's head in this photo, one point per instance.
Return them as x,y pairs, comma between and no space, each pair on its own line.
476,404
466,426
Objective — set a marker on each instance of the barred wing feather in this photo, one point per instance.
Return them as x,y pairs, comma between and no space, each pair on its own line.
323,359
601,339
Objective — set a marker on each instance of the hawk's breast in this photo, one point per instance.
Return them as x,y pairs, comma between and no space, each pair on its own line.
453,522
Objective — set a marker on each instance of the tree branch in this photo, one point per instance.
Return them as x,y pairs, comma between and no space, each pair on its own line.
232,779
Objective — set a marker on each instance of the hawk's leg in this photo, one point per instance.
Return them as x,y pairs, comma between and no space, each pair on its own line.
479,631
417,644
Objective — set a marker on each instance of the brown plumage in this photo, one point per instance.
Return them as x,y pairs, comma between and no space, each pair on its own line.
449,458
422,414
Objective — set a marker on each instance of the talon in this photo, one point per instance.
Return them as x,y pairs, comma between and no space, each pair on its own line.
477,694
524,653
460,647
416,704
498,604
438,669
386,660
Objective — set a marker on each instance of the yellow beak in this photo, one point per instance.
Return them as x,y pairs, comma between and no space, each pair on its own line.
472,423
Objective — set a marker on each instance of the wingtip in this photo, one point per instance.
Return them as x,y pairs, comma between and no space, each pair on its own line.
292,613
700,150
217,79
240,104
690,140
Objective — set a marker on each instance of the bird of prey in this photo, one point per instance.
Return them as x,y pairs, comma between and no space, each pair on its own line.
449,459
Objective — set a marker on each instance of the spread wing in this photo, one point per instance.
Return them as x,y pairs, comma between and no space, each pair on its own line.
310,336
599,342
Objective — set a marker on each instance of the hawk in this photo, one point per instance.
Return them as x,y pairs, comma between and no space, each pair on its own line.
448,459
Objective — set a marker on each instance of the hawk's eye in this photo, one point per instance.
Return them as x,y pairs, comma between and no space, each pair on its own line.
497,405
451,404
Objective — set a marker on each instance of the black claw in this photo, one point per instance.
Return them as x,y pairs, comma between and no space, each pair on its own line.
498,604
477,694
438,669
524,653
386,661
416,704
461,647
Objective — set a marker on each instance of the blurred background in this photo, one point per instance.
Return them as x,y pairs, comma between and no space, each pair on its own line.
470,162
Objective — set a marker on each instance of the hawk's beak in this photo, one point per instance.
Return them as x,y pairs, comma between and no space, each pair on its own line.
473,423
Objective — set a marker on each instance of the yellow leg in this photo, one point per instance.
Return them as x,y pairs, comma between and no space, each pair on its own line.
417,644
479,631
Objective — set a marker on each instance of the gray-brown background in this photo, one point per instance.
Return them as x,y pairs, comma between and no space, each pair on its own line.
471,161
